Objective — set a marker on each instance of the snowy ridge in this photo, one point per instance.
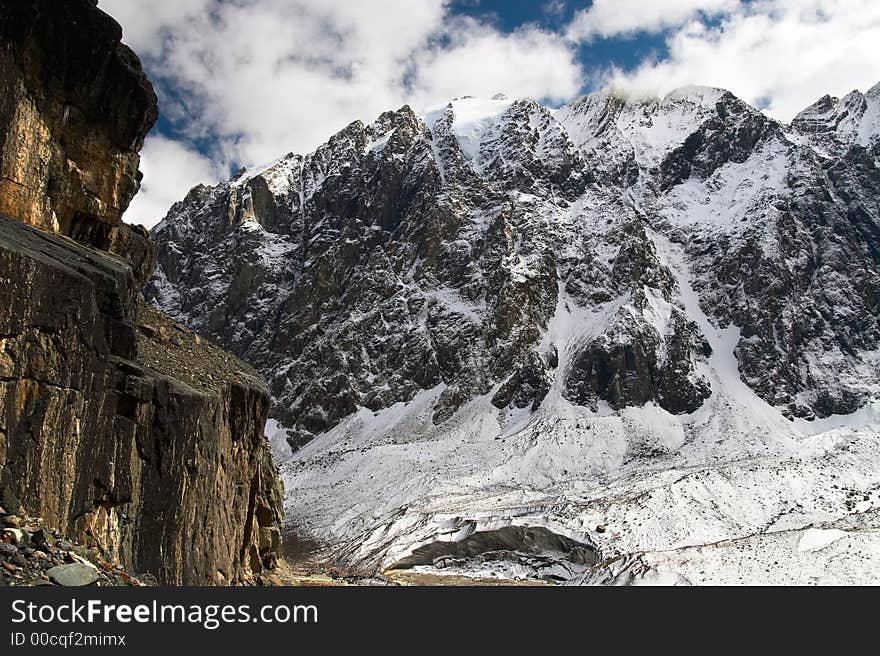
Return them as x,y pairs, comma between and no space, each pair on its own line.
648,128
832,123
472,121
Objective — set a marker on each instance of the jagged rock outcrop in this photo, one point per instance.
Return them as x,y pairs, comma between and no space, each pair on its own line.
118,426
417,252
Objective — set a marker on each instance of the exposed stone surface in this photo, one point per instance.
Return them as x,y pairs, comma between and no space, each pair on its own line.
73,574
125,429
119,427
398,257
779,226
74,109
41,558
392,261
132,243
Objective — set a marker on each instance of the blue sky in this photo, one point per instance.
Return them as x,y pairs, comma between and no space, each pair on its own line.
626,51
246,81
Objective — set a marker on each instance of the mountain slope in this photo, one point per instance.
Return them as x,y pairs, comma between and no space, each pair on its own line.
497,315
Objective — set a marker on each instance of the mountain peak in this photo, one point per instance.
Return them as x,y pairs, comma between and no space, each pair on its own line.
698,94
830,122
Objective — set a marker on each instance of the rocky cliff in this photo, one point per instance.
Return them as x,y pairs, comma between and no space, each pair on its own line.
74,108
588,320
118,426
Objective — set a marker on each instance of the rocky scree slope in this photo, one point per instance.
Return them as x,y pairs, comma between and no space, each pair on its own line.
119,428
496,315
32,554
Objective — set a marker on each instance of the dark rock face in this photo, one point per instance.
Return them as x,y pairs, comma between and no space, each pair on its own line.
799,274
732,134
804,288
119,427
649,350
123,429
777,224
519,254
132,243
529,384
70,93
628,366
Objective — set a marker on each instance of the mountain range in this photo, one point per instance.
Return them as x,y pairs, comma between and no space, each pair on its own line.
631,339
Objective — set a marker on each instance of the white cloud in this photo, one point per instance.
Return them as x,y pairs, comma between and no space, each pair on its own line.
554,7
260,78
143,22
607,18
779,54
170,170
481,62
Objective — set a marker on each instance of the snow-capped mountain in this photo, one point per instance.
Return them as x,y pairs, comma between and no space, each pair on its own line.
580,343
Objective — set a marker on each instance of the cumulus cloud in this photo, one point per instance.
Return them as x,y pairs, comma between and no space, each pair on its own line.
780,55
258,78
479,61
608,18
170,170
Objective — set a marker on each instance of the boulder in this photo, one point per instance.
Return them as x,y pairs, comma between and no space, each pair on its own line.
73,574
